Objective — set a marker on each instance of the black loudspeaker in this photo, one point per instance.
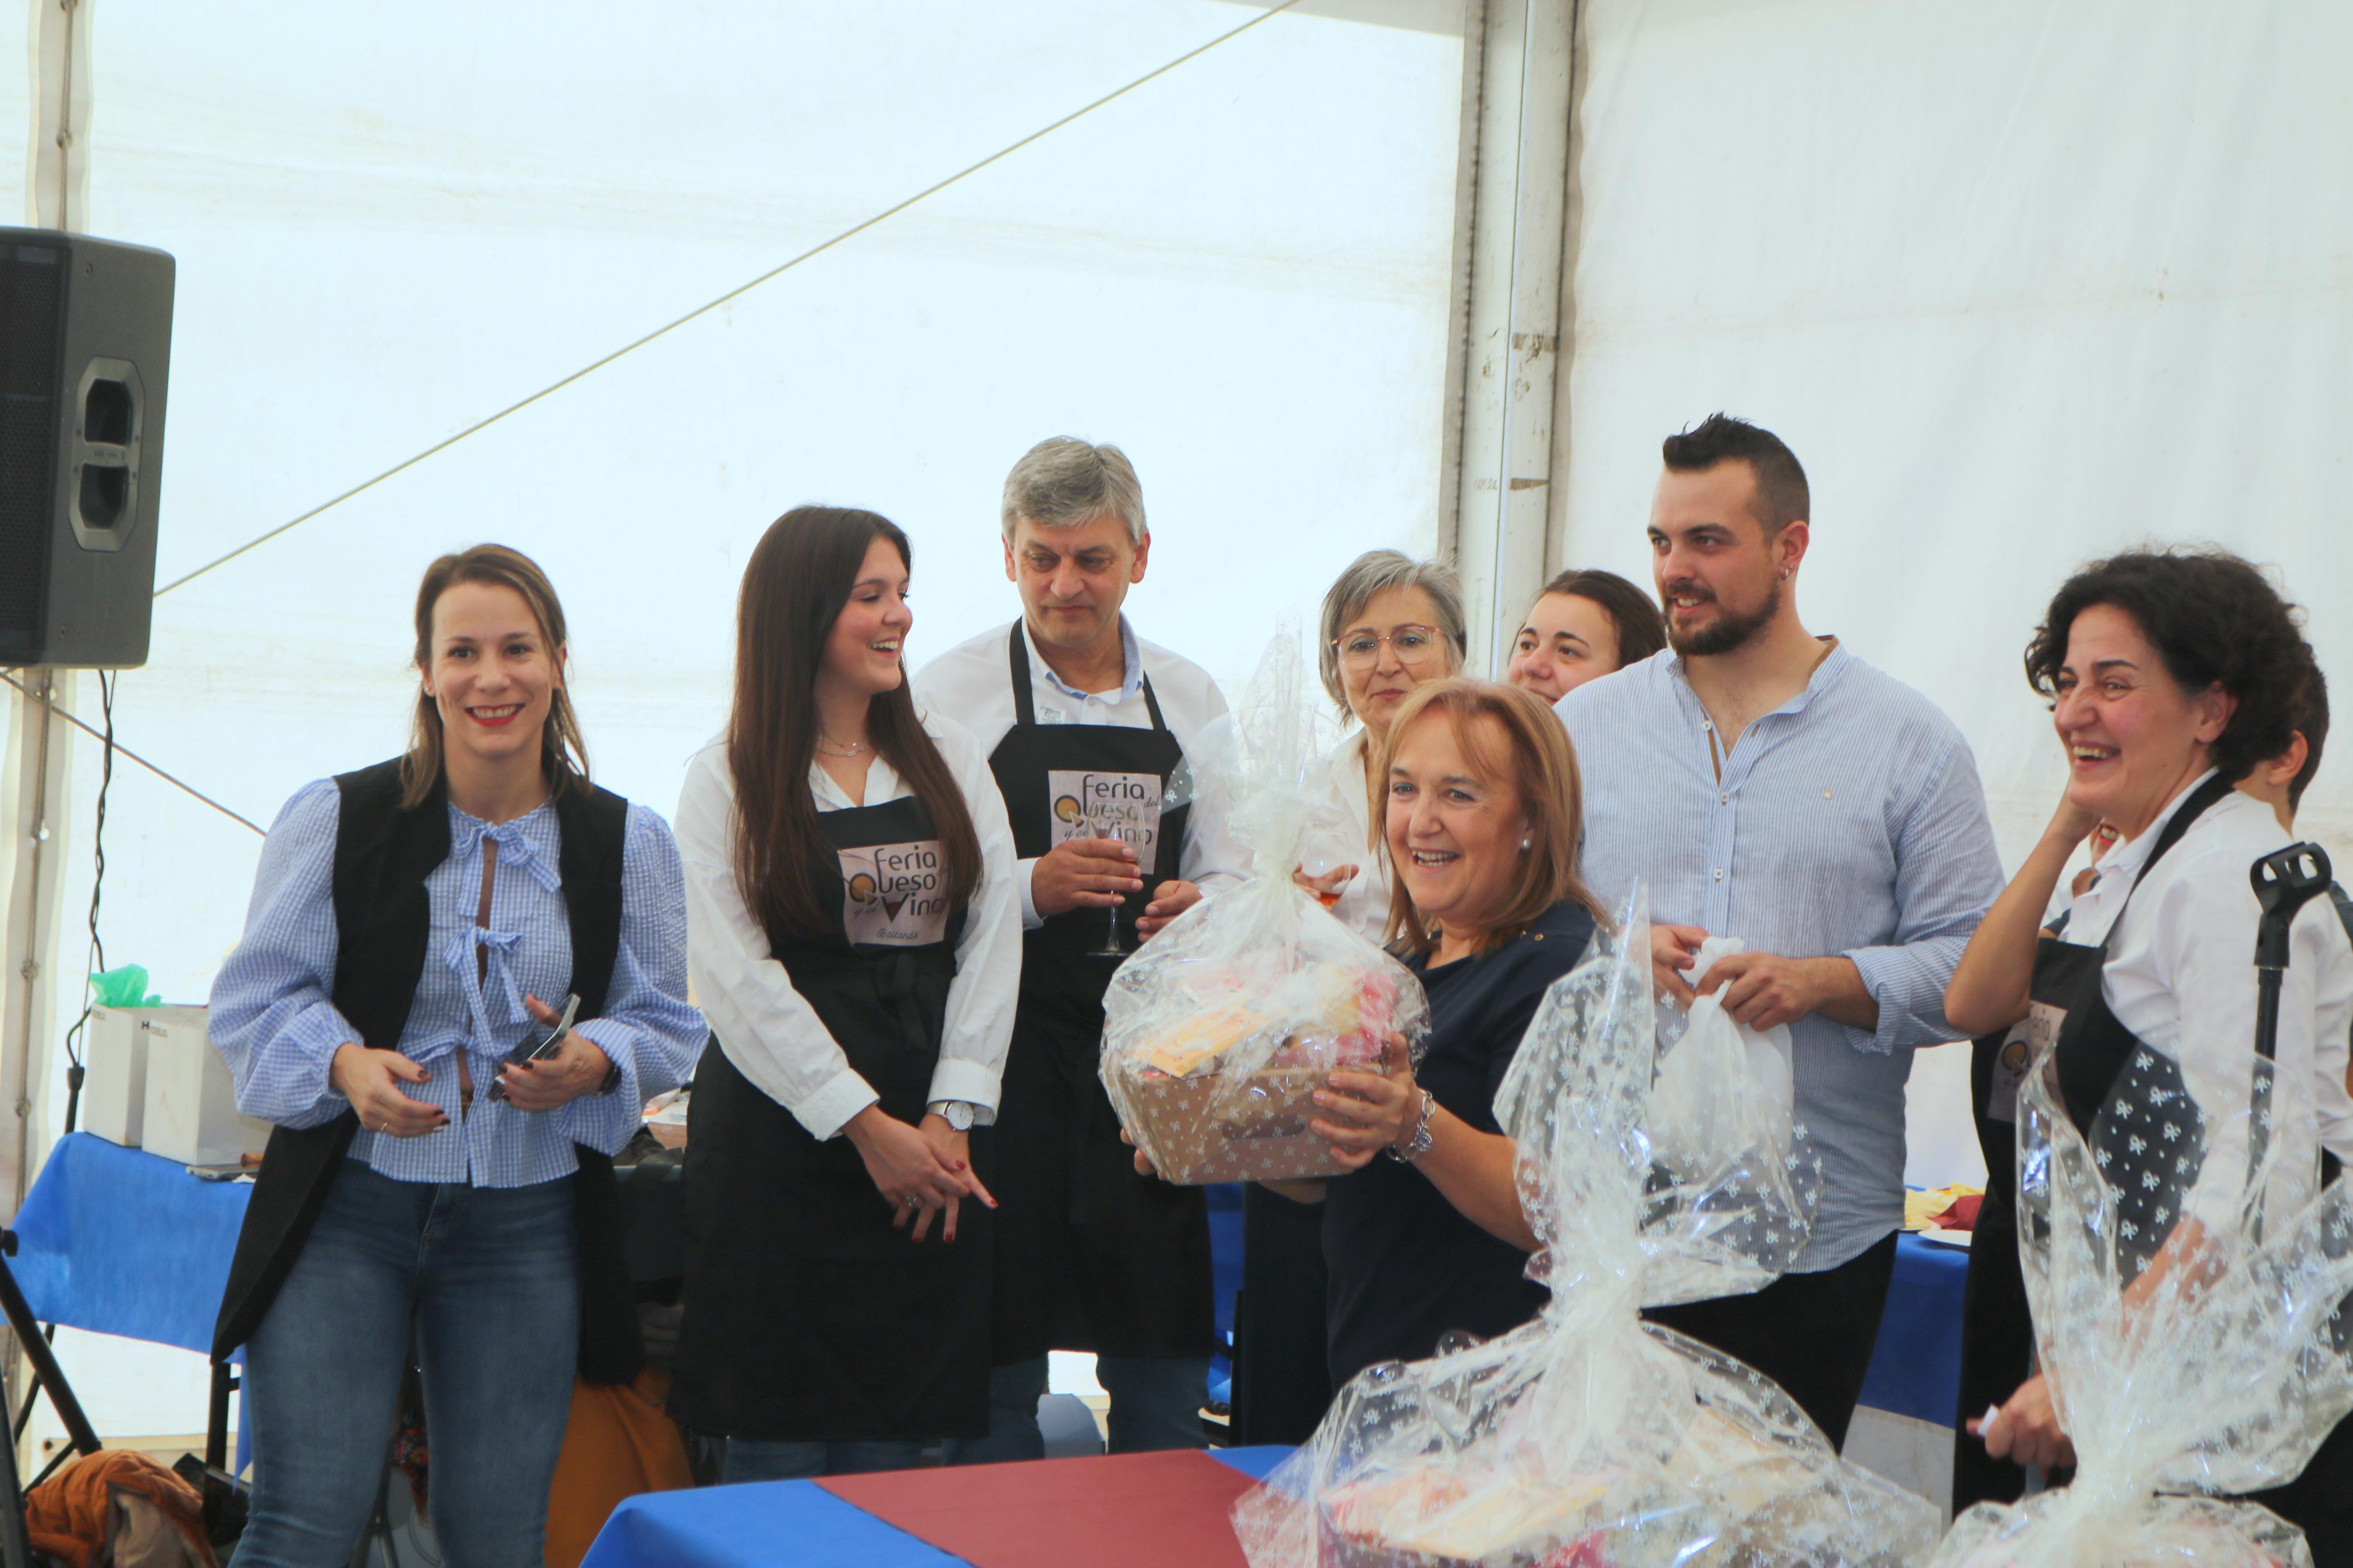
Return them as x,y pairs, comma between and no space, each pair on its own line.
85,349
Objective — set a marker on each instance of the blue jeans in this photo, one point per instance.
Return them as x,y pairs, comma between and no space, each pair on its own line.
1155,1403
754,1461
487,1280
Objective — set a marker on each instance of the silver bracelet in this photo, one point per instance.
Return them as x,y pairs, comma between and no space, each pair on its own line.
1419,1145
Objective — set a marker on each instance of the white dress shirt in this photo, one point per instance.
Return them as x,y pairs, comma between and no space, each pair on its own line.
1364,906
2180,975
766,1027
972,681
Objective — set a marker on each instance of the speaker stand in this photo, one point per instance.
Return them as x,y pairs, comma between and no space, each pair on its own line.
15,1549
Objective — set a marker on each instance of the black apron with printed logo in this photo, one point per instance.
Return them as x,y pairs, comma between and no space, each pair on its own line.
1089,1255
809,1317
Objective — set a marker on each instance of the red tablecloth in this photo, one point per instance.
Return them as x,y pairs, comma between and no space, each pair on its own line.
1063,1513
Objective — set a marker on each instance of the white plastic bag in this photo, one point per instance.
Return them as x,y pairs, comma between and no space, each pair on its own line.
1721,1084
1590,1438
1219,1031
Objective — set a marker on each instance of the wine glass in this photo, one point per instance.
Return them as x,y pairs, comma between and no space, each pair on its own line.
1177,789
1329,857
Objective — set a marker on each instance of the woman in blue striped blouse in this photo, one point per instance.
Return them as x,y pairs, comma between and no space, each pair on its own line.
410,924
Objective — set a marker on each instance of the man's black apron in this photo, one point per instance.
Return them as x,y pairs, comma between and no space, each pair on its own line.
809,1317
384,852
1089,1255
2134,1109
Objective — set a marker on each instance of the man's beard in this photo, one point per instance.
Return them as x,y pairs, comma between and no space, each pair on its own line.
1728,632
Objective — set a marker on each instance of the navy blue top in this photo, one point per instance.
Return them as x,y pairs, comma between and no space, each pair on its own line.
1405,1265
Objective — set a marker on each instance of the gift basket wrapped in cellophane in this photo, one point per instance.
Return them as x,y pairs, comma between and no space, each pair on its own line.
2210,1361
1588,1438
1217,1032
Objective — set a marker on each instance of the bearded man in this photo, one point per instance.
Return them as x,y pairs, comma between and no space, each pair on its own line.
1768,784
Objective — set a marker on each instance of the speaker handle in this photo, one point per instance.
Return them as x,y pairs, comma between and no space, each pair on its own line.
109,423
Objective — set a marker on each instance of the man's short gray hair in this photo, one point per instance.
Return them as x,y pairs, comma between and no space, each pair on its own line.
1063,482
1376,572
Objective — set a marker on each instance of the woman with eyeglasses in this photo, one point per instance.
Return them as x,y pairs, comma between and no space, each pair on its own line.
1390,623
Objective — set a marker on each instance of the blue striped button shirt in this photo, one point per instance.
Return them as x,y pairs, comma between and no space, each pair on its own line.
273,1022
1847,822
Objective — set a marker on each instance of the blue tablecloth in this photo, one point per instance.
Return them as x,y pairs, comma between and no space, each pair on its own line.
121,1242
787,1524
1915,1367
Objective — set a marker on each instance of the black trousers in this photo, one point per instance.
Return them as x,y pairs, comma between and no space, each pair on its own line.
1282,1376
2320,1501
1997,1355
1811,1333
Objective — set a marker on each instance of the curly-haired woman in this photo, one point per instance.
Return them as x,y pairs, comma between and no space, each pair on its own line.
2171,675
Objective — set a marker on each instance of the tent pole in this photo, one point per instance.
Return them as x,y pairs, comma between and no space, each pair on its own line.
32,922
36,783
1518,217
1447,547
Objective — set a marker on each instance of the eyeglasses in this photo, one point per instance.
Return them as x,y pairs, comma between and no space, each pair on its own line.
1414,646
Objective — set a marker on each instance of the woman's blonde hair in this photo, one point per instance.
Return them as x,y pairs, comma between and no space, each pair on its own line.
562,754
1535,760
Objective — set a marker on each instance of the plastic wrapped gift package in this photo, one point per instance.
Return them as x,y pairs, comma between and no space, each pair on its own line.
2212,1360
1588,1438
1218,1030
1214,1081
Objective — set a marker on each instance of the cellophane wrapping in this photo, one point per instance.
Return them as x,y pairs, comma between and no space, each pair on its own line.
1218,1030
2216,1367
1590,1438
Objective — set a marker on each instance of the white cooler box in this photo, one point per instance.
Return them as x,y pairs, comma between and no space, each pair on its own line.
191,1112
114,1089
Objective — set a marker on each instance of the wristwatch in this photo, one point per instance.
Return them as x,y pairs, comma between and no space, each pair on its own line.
1419,1146
957,1114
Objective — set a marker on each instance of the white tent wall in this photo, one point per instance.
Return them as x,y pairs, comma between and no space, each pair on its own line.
391,225
19,46
2022,283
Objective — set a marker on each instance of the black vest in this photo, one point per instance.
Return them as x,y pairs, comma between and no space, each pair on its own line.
383,925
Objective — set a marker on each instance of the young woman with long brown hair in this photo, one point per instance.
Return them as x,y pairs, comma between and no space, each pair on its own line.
857,944
411,924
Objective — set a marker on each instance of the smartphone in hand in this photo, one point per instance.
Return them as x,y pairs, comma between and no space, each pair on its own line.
540,1042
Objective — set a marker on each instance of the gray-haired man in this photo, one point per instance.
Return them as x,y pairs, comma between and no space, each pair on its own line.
1075,708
